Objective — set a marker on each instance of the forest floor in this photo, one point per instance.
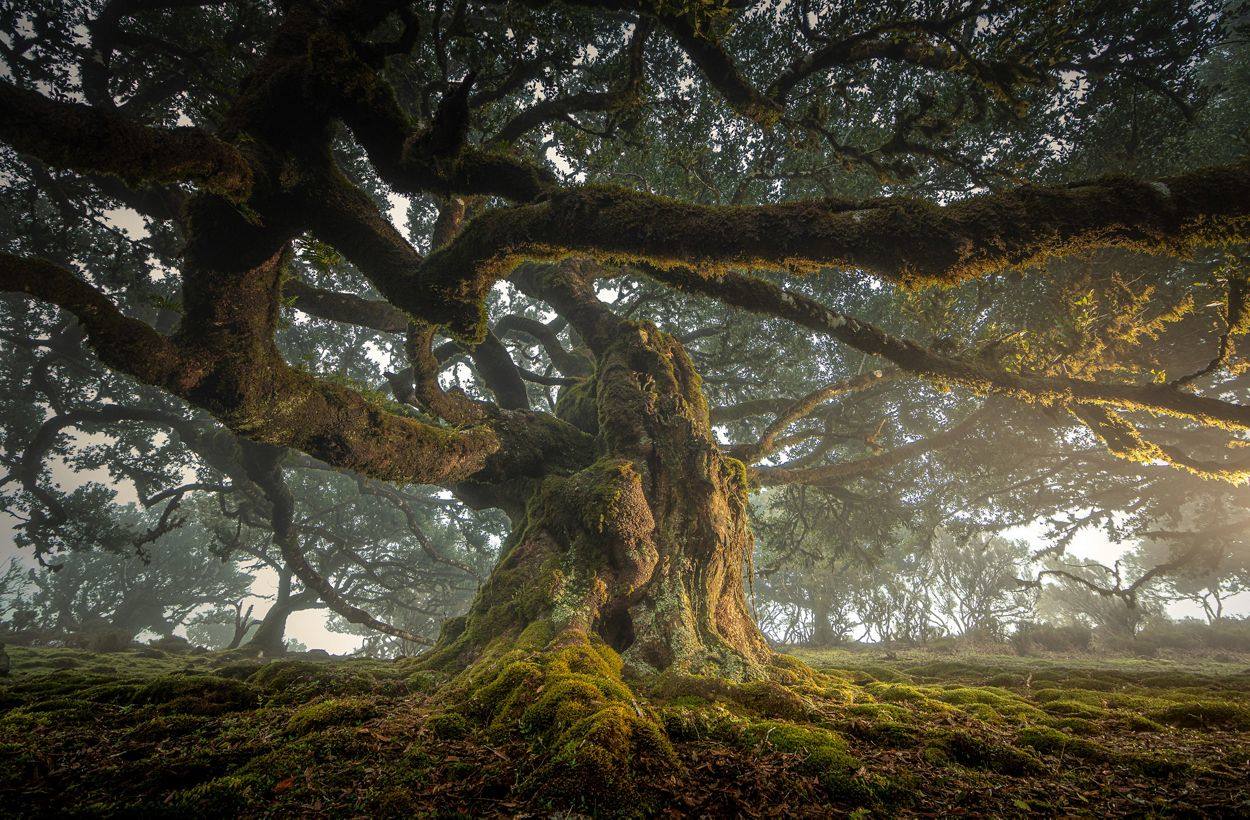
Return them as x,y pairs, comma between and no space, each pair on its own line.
154,733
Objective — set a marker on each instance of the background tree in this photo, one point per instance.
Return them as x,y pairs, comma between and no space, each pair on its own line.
95,591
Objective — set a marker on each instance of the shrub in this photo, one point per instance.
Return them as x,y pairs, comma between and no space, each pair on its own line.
1230,635
1226,634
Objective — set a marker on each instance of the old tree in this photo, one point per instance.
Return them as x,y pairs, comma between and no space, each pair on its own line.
601,198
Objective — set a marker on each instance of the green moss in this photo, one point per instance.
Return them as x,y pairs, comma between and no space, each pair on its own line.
224,797
1204,714
824,754
1138,723
1075,708
113,692
535,636
1047,741
685,722
197,694
1072,724
980,752
896,693
168,726
578,406
448,725
330,712
765,698
297,680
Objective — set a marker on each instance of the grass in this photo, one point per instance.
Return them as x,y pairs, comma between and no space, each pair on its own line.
187,734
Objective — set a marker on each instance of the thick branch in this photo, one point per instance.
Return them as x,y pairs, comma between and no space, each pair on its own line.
88,140
760,296
905,240
570,363
344,307
254,392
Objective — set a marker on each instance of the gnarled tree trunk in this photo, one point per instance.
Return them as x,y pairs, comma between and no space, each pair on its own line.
270,635
822,628
648,547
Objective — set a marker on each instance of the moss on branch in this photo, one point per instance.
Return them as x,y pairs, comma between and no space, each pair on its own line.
905,240
82,138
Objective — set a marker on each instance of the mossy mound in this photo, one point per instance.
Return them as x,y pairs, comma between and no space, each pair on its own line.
552,724
330,712
591,735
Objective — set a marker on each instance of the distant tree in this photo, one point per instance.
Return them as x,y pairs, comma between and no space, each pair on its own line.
1114,598
977,582
1201,553
158,591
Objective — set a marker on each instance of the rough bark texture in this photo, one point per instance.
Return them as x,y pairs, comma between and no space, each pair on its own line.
647,547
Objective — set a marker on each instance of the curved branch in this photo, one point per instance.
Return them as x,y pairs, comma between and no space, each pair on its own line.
769,441
846,470
568,362
500,373
121,342
253,391
759,296
89,140
904,240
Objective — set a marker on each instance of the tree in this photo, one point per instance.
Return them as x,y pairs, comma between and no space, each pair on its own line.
1200,554
126,595
1117,598
979,583
724,152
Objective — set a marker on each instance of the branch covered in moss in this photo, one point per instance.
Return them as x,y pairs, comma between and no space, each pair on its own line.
344,307
121,342
569,362
90,140
764,297
255,393
1125,441
904,240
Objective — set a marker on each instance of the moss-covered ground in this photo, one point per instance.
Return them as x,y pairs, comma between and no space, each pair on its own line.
183,734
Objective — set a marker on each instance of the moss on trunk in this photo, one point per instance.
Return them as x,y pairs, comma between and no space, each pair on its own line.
646,548
628,568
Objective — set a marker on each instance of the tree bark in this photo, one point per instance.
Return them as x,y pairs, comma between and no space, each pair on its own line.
269,637
647,547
